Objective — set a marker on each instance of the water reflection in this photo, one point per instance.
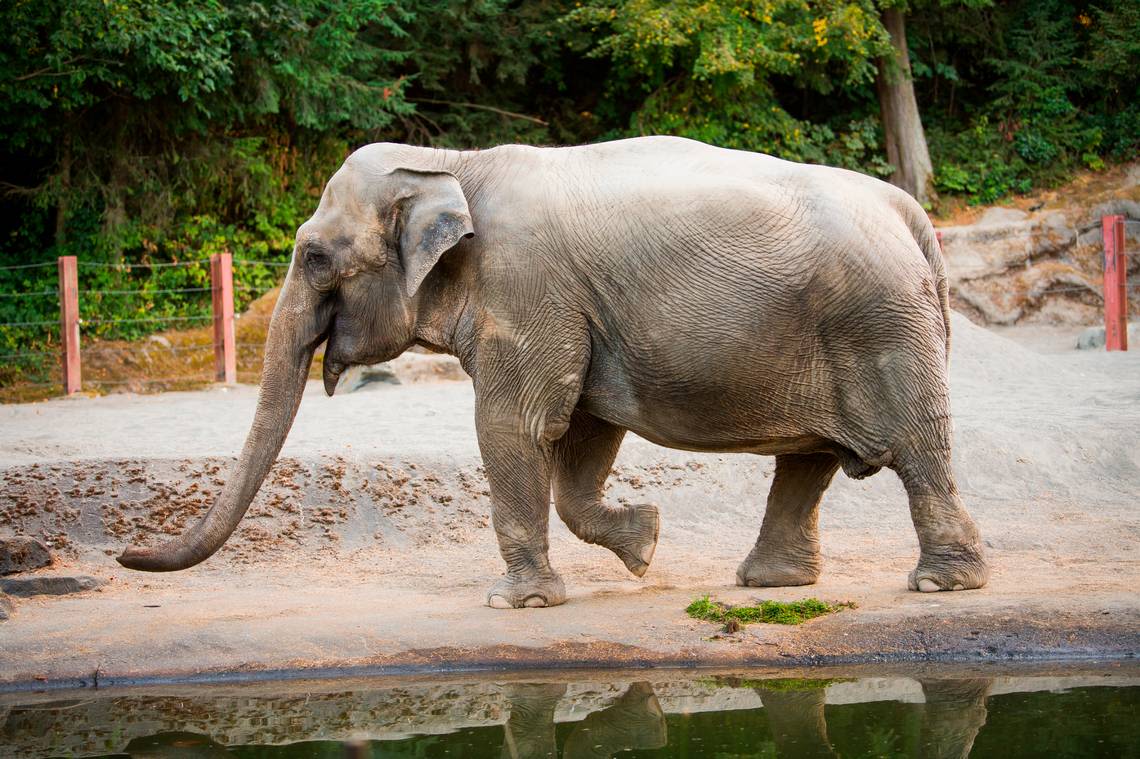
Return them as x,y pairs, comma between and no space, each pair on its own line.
176,745
955,712
672,715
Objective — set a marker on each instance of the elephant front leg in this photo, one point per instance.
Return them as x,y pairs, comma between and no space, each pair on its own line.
518,471
787,551
582,461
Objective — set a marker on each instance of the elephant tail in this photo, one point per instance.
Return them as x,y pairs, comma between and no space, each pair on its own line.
927,240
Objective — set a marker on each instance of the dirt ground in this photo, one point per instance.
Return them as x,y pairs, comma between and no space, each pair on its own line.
370,545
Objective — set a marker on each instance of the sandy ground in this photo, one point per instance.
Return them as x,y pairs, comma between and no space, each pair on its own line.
371,547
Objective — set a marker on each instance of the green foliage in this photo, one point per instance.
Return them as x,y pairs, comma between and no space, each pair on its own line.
166,131
707,70
1021,94
770,612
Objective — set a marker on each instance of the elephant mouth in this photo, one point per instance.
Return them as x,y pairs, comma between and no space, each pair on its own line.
333,368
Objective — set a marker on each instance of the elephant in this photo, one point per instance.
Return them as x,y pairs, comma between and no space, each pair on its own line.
633,721
703,298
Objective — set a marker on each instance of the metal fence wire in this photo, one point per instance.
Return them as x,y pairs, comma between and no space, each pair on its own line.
209,295
32,360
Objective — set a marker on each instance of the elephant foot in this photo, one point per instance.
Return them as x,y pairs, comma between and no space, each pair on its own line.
955,566
512,592
635,540
763,569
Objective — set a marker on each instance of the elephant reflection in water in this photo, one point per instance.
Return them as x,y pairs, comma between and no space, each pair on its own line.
954,712
633,721
795,718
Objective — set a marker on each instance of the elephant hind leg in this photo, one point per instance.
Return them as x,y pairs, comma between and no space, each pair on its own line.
951,556
582,461
787,550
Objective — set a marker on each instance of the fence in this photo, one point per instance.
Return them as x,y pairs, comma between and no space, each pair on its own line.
72,323
225,346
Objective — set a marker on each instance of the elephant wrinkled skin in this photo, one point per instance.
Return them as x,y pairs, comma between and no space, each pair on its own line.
706,299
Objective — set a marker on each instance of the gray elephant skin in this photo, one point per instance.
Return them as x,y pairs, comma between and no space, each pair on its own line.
705,299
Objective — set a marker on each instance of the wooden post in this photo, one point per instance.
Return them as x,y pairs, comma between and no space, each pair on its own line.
222,285
69,323
1115,284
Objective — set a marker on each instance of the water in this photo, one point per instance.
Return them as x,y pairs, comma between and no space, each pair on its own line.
646,714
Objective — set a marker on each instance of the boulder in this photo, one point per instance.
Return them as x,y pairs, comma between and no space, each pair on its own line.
409,368
1093,337
358,377
22,554
24,587
1003,239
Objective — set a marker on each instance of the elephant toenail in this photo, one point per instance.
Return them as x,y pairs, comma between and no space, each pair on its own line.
498,602
927,585
959,587
534,602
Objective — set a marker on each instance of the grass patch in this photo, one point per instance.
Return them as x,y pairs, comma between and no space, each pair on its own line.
797,685
770,612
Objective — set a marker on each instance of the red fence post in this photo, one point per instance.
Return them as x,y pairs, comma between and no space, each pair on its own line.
1115,284
69,323
222,286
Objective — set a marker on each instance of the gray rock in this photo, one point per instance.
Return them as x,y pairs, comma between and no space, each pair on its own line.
1130,209
22,554
24,587
1093,337
1003,239
999,215
357,377
6,607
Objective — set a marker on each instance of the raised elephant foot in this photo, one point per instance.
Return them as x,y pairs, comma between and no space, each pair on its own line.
950,567
527,592
634,541
766,571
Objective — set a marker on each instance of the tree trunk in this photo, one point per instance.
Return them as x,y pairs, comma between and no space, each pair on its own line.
906,142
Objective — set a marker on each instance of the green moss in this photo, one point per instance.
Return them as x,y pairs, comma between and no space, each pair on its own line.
771,612
777,684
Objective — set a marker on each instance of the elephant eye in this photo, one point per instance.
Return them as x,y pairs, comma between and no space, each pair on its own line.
319,268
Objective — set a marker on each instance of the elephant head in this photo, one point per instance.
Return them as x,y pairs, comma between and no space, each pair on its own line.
357,268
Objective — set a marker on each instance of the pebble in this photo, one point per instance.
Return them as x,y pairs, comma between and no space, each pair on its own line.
22,554
48,585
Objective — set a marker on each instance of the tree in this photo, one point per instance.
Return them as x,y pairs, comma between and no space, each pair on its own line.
727,72
133,114
902,124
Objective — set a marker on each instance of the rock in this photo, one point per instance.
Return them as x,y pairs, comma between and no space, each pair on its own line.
1130,209
24,587
998,215
22,554
357,377
1002,241
1093,337
6,607
411,368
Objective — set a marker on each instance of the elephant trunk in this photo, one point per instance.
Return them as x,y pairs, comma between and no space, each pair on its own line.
294,333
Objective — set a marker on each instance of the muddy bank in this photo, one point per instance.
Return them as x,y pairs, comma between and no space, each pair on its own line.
370,545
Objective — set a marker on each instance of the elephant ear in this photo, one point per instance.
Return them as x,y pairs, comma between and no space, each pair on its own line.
433,218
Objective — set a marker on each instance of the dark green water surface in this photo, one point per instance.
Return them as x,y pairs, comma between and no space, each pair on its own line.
648,714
